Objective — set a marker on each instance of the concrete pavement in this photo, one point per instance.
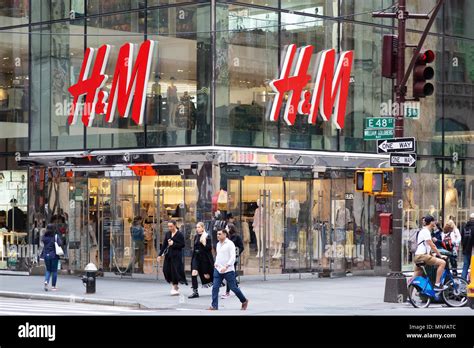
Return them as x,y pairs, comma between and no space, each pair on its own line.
355,295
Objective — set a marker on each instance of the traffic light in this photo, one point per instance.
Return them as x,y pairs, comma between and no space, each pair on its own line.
421,73
374,181
389,56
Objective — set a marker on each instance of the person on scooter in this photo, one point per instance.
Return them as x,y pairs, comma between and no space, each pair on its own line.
423,252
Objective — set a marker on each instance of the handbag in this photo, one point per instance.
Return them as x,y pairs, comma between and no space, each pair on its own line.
59,250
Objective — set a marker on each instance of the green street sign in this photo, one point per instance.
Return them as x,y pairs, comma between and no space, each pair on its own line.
379,123
374,134
413,113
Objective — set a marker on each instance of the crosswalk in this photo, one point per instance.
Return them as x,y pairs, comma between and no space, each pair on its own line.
12,306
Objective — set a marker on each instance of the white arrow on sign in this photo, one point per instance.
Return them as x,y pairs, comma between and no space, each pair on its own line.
385,145
403,159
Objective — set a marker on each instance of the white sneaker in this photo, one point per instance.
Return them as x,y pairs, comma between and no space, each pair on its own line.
225,296
174,292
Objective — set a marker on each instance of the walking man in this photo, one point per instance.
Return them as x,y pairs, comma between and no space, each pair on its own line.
224,269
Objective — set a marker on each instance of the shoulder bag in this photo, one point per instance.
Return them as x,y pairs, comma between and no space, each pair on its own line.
59,250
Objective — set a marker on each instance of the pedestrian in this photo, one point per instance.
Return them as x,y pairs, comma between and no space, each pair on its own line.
48,254
423,253
467,242
239,248
138,236
202,261
172,249
224,269
451,242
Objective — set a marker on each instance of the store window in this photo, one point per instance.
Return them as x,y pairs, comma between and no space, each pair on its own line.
14,87
302,31
179,93
95,7
247,59
369,91
57,51
361,11
115,30
13,200
312,7
266,3
458,105
422,195
458,15
14,12
47,10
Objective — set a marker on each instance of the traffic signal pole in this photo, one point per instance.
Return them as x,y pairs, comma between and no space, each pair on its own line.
396,284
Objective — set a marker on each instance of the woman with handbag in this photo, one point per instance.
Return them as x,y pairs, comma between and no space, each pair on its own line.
172,249
50,253
202,262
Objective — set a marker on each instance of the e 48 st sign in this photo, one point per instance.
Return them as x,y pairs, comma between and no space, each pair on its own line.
129,84
331,86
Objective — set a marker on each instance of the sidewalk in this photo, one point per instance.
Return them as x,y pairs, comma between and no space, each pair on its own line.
324,296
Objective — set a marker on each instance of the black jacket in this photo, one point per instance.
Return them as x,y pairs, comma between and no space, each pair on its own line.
467,241
237,240
202,258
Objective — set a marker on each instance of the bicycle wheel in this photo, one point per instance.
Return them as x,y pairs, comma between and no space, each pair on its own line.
417,299
455,297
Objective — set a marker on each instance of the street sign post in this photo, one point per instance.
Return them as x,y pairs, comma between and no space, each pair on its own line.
379,128
396,145
403,160
380,123
412,111
376,134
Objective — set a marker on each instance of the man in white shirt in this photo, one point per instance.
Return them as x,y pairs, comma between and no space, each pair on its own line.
224,269
423,252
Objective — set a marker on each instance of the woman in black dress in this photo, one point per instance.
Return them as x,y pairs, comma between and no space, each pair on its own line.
173,266
202,262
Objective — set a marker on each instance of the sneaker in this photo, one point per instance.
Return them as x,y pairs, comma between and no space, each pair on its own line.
225,296
174,292
440,288
212,309
45,286
54,288
244,305
194,295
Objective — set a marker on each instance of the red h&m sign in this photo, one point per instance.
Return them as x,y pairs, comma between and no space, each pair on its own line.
128,84
331,87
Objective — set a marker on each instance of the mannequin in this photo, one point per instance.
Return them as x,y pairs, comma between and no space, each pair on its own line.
172,96
451,201
277,230
433,212
411,209
258,227
292,213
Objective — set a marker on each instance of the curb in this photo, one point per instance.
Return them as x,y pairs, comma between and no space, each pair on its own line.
72,299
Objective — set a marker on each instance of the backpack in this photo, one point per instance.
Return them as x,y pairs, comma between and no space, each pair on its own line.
447,242
413,242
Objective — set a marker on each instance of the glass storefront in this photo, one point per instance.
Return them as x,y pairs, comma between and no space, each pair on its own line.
209,87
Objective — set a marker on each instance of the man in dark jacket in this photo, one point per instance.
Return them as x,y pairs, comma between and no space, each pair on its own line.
467,241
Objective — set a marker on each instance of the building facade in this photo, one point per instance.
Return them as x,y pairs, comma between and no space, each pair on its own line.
207,149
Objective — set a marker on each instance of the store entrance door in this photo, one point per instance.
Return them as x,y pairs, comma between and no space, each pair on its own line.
298,237
114,204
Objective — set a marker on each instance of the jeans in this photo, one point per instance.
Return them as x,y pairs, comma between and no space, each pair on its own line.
228,285
230,279
51,269
465,267
139,254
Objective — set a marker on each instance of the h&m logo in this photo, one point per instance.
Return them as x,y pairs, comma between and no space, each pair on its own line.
331,87
129,83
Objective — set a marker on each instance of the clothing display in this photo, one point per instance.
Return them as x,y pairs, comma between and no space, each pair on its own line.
450,201
343,217
293,209
246,240
349,244
16,220
318,250
277,224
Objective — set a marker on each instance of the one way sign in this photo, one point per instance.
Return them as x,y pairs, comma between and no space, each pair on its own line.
403,160
396,145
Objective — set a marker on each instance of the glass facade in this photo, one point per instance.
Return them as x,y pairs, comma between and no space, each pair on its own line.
209,85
